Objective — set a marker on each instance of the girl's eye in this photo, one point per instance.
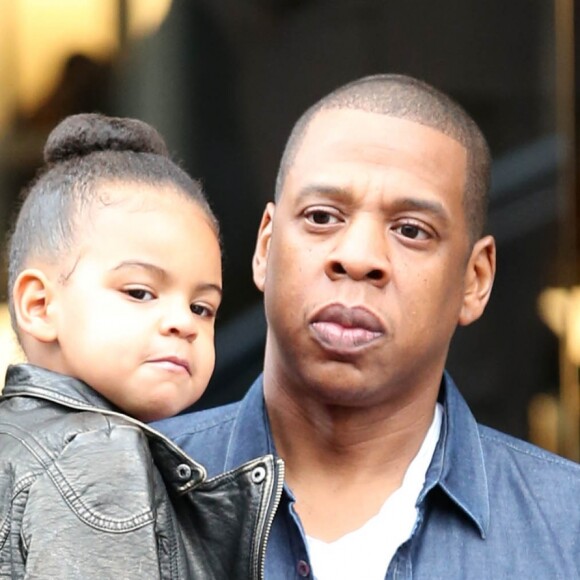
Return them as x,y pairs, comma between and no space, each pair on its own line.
140,294
321,217
201,310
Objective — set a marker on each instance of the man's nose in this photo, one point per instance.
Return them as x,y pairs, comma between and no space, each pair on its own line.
361,253
178,319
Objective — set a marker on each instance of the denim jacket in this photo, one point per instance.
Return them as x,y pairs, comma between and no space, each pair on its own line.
492,506
89,493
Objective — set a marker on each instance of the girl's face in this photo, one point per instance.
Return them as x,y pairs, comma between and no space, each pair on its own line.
134,305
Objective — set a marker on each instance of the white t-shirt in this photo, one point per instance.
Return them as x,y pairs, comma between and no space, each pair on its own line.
367,552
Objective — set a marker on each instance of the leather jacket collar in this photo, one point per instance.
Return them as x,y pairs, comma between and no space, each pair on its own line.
26,380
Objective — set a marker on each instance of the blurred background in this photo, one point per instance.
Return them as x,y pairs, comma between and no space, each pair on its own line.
224,81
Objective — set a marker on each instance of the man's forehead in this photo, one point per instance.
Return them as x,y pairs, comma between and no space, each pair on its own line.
329,115
346,131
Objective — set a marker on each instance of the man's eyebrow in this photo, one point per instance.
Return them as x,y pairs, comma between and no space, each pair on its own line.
420,204
338,192
324,189
162,274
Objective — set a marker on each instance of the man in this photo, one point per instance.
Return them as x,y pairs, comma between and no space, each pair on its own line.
371,255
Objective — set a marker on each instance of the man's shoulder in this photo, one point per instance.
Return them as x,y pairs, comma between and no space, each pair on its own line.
198,422
507,462
201,433
510,459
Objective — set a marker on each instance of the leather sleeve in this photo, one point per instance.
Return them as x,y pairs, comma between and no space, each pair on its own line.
92,514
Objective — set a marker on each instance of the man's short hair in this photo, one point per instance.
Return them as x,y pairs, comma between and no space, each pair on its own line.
409,98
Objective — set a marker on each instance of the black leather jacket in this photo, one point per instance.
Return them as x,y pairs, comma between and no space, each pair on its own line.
87,492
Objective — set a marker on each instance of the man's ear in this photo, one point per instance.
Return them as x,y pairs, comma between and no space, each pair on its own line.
32,295
479,277
260,260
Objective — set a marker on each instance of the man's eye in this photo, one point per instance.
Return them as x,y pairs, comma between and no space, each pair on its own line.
412,232
321,217
140,294
201,310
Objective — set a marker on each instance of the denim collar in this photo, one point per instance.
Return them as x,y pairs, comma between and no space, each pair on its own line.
457,467
31,381
251,435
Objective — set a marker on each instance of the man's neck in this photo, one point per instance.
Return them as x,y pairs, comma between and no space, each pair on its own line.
343,463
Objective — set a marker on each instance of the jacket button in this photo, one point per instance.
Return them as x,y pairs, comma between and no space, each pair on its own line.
259,474
303,569
183,471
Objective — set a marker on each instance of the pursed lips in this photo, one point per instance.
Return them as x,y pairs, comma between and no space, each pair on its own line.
172,362
345,328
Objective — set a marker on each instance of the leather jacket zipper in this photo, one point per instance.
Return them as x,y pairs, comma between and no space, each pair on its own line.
260,569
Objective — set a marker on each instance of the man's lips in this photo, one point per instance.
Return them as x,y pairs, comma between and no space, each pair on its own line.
172,363
344,328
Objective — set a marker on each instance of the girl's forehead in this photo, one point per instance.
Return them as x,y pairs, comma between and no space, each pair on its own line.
119,205
133,223
139,195
154,208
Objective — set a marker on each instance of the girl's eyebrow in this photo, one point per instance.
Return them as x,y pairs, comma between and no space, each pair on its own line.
157,271
162,274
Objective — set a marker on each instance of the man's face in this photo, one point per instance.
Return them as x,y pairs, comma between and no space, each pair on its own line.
135,317
365,261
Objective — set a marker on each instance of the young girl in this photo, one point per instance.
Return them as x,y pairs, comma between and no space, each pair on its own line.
114,284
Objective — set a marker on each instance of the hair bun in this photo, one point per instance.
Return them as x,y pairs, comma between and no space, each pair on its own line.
80,135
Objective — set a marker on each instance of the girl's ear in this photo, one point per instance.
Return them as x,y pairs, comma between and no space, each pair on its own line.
479,277
260,260
32,296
